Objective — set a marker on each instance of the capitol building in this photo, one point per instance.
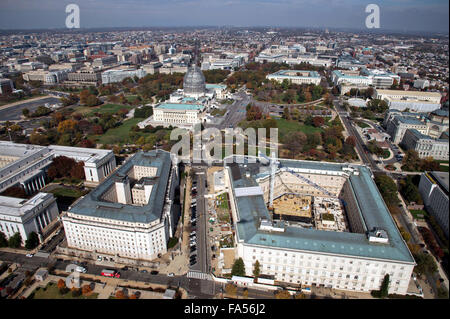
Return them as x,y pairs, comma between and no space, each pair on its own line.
186,107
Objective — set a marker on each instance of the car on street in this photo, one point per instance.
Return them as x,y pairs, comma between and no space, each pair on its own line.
154,272
144,271
125,268
192,244
171,274
29,255
193,220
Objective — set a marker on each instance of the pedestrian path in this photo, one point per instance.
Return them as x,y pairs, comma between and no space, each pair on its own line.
198,275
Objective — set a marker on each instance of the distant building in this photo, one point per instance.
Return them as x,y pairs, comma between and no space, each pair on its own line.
6,86
114,76
413,100
425,145
432,124
23,216
84,76
421,84
433,188
296,76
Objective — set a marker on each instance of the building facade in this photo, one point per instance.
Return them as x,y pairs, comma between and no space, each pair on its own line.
425,145
293,255
116,221
433,188
296,77
23,216
26,165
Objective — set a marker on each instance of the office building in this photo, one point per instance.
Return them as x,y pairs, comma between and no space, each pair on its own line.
433,188
23,216
355,244
113,220
26,165
296,76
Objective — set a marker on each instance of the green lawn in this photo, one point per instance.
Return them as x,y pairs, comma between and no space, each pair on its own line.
102,109
118,134
287,127
66,192
417,213
52,292
110,108
362,124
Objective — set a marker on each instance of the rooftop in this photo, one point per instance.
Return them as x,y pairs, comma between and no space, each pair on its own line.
180,106
252,209
92,205
293,74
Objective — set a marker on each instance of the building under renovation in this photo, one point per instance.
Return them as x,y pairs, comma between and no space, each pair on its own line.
339,233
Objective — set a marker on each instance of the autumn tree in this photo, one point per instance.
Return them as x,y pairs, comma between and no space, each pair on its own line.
86,290
283,294
318,121
120,294
231,289
67,126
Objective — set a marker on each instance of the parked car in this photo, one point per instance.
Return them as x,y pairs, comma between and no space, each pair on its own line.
171,274
154,272
29,255
144,271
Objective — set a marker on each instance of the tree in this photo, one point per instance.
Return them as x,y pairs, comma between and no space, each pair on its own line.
318,121
388,189
286,114
92,100
61,286
3,240
256,269
384,290
231,289
425,264
283,294
406,236
67,126
32,241
351,140
83,96
86,290
295,142
120,294
15,241
238,268
26,112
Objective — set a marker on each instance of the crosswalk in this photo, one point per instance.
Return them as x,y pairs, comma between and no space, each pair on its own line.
198,275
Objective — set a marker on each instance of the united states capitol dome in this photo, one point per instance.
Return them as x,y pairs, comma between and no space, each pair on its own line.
194,81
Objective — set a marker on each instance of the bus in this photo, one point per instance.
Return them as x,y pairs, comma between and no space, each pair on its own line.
110,273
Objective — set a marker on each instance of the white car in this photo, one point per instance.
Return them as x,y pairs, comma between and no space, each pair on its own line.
29,255
171,274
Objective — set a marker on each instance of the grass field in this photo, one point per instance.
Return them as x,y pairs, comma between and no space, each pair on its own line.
118,134
52,292
288,127
102,109
67,192
362,124
417,213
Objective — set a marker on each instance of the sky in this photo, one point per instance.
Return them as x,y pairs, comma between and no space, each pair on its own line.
398,15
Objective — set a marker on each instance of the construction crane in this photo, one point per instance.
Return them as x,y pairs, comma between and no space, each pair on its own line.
274,164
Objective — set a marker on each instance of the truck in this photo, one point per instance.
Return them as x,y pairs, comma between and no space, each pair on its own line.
110,273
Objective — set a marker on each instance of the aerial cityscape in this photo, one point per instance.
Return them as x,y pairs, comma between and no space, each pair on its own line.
178,150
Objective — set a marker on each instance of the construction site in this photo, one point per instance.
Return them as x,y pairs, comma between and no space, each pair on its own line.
299,200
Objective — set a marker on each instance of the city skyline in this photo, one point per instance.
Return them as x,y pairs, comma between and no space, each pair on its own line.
400,16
